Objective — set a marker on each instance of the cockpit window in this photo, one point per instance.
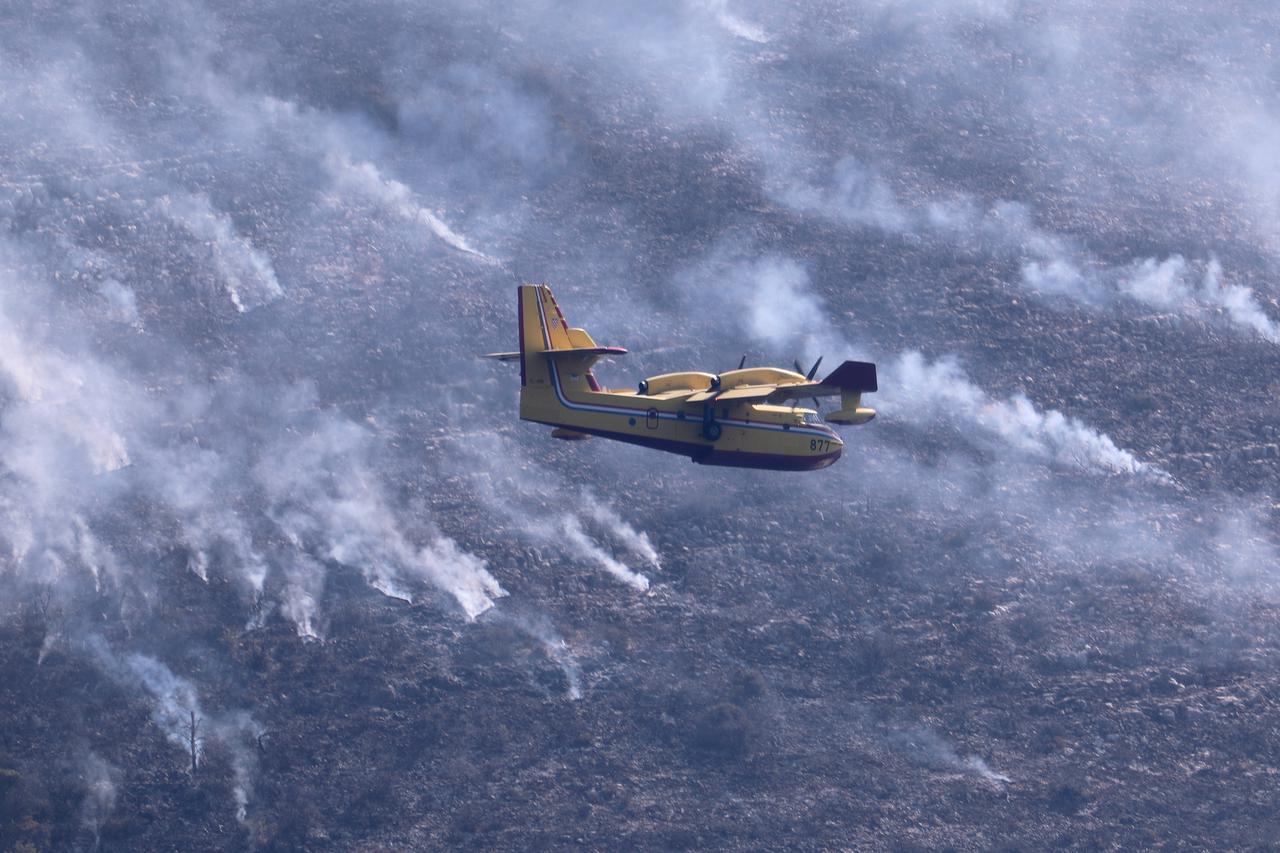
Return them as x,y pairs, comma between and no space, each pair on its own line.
812,418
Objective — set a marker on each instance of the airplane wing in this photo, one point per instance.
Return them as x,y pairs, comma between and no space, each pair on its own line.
581,351
747,392
559,353
742,392
850,376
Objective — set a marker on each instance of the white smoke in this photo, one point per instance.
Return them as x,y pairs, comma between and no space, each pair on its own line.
175,704
245,272
922,391
734,25
582,545
174,699
239,732
857,195
635,541
1050,263
553,645
983,770
199,487
325,498
560,652
775,295
80,435
365,179
1168,285
304,582
122,302
58,406
1160,284
542,507
101,782
772,293
927,748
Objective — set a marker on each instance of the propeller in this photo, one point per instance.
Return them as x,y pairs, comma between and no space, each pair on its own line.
808,377
743,362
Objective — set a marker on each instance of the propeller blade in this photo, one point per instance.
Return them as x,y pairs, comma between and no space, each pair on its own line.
799,369
809,376
817,404
743,362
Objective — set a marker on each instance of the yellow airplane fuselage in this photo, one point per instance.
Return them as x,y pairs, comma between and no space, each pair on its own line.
693,414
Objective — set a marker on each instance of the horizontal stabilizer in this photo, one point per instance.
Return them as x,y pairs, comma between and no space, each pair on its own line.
502,356
853,376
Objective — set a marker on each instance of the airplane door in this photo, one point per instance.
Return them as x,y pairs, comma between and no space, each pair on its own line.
651,419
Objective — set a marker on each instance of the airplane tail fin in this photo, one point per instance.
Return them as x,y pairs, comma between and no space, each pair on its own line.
542,329
853,378
554,357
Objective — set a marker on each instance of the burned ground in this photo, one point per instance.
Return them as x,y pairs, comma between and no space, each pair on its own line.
252,470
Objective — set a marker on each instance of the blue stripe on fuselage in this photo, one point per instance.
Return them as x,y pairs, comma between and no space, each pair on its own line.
826,434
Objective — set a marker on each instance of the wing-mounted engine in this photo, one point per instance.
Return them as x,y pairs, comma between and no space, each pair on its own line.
687,381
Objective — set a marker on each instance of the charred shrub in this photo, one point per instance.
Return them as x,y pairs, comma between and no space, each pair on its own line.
1067,800
871,655
724,731
747,686
374,805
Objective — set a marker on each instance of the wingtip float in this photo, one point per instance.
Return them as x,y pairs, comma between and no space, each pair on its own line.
736,418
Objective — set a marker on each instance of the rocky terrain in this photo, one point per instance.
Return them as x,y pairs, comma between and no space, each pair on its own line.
282,571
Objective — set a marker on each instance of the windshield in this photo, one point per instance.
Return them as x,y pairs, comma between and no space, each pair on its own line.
812,417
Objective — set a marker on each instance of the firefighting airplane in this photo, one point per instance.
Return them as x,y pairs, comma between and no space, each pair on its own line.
734,418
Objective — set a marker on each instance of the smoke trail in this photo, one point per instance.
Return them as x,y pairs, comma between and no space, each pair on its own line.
979,767
1050,263
122,302
364,179
174,701
1167,285
1239,302
244,271
534,504
239,732
56,403
304,580
194,483
560,652
922,391
635,541
858,196
101,781
775,295
734,25
324,497
925,747
583,546
552,643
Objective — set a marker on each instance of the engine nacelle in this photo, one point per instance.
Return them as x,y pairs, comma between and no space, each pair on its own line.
691,381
